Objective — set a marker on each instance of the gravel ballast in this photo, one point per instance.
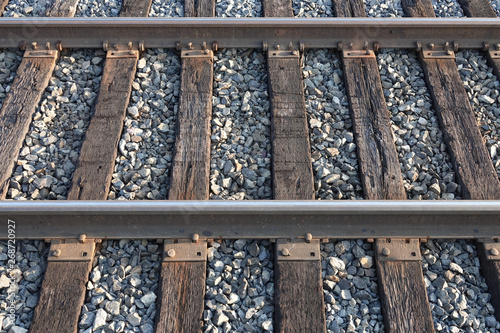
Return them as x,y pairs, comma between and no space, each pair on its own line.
242,8
333,149
425,164
350,287
447,8
482,87
458,294
312,8
98,8
240,166
146,146
121,291
240,287
26,8
167,8
27,272
51,148
9,62
383,8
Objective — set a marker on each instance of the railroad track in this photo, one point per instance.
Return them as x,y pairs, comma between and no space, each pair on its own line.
213,263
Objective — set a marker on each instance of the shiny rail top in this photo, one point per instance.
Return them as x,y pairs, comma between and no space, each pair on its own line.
252,219
250,32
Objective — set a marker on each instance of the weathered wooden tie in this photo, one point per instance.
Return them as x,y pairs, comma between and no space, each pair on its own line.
182,286
401,284
191,162
64,286
402,290
477,8
32,77
470,158
92,177
62,8
298,283
298,287
183,272
378,160
135,8
348,8
292,168
199,8
417,8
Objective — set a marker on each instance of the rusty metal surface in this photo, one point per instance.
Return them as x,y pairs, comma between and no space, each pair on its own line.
252,219
251,32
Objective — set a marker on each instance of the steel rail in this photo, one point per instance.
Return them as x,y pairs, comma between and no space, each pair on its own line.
249,33
251,219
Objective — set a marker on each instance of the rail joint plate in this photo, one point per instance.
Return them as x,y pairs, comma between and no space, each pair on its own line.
297,249
398,249
71,250
184,250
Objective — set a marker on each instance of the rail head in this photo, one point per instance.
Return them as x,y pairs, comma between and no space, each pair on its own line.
252,219
250,33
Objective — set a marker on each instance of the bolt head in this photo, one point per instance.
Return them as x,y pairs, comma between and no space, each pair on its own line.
171,253
386,252
56,253
494,252
285,252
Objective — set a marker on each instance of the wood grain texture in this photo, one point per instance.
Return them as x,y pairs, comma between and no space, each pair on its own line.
299,304
378,160
490,270
477,8
17,111
404,297
418,8
191,162
61,297
348,8
199,8
277,8
62,8
92,177
181,297
470,158
292,168
135,8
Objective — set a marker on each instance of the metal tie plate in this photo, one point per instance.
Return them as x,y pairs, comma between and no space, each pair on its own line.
206,53
297,249
352,54
184,250
294,54
438,54
398,249
71,250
